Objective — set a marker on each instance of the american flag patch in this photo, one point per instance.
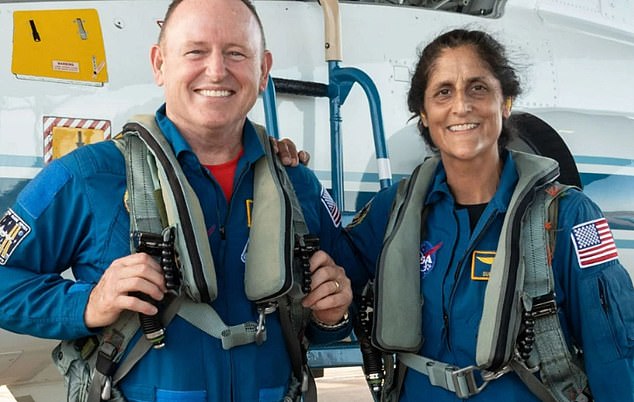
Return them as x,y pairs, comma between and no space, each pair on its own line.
330,205
594,243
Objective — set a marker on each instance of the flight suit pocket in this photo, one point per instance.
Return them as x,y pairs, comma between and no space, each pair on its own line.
608,299
163,395
272,394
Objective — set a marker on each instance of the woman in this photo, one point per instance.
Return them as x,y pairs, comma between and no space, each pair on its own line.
457,206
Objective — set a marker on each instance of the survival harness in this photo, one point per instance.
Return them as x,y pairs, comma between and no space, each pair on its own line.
162,202
519,330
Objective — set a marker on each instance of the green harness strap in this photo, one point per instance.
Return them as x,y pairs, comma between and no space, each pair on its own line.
562,379
510,292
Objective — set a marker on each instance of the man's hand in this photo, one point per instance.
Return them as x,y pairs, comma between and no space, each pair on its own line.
134,273
287,152
331,293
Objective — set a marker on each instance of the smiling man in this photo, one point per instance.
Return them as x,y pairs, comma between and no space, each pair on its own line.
212,62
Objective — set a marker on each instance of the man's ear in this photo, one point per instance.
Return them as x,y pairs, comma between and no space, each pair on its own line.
265,69
156,59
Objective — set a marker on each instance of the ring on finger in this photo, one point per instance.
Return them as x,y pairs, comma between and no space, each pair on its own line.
337,286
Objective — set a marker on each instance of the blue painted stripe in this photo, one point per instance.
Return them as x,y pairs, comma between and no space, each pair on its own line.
624,244
21,161
365,177
362,177
603,160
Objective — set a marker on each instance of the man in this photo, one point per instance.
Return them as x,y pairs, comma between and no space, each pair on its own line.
212,62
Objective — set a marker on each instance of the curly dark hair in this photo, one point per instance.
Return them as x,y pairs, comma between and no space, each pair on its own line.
489,50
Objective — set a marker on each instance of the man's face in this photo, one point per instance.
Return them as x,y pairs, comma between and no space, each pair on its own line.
212,66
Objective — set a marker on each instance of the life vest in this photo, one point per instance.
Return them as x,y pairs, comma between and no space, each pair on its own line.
519,293
162,202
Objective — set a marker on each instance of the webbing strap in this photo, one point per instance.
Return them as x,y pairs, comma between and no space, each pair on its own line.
292,317
557,370
142,188
528,378
205,318
113,344
142,345
460,381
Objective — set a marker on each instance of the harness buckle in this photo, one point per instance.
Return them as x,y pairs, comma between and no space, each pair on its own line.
263,310
544,305
106,389
464,381
494,375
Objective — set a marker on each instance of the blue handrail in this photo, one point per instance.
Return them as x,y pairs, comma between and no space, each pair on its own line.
341,81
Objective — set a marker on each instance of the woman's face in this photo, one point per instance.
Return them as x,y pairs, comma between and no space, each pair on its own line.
464,106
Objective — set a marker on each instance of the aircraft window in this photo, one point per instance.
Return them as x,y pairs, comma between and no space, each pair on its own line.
486,8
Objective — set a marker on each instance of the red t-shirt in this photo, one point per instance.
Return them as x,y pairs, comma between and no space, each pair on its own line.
224,173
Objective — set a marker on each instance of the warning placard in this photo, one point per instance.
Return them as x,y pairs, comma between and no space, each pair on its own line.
63,134
59,45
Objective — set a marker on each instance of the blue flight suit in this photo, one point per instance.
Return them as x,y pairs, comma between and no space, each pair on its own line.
596,303
73,215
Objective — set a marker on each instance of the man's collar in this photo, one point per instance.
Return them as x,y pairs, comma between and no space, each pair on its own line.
253,149
171,133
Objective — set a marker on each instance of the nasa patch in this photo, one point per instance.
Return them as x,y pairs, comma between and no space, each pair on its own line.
12,231
428,257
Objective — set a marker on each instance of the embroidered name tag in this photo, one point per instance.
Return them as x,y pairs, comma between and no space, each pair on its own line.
481,265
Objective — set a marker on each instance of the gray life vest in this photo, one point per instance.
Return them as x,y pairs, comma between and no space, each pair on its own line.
160,199
520,289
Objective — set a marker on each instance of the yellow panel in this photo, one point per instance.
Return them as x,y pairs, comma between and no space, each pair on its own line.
59,45
66,139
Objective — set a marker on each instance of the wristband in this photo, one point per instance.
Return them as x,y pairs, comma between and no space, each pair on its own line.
332,327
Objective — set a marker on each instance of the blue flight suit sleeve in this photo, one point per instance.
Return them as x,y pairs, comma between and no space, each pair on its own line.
598,303
360,244
324,219
55,212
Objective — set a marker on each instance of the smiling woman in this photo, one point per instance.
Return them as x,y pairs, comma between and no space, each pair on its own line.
474,226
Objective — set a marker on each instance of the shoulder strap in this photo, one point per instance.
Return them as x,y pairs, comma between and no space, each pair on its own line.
182,208
398,298
276,270
502,311
279,217
560,376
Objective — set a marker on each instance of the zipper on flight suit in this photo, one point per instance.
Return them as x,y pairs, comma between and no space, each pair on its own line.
457,274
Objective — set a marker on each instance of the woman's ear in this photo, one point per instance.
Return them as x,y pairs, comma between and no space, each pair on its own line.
423,119
508,105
